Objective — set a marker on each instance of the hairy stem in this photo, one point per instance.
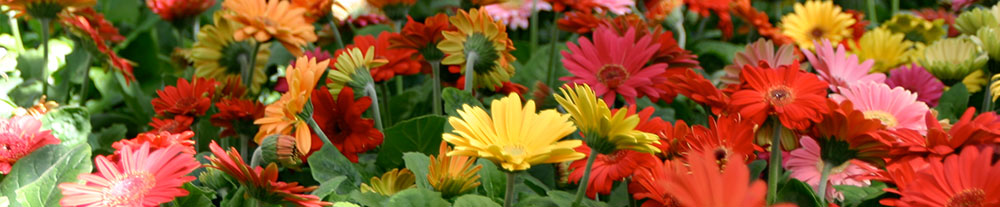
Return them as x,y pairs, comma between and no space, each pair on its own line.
436,69
376,112
508,198
823,178
470,60
774,168
582,189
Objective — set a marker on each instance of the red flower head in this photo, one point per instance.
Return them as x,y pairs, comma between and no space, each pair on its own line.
178,124
704,182
232,87
719,7
934,14
759,20
577,5
423,37
178,9
507,88
727,137
693,85
860,24
191,99
624,72
341,121
966,179
315,9
156,140
609,168
901,174
262,183
101,31
236,114
402,61
845,124
658,10
579,22
671,53
142,177
19,136
795,97
651,183
970,130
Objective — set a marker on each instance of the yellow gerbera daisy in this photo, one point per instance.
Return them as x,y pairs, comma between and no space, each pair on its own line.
391,182
217,55
888,49
605,132
995,87
975,81
480,35
264,20
512,135
282,116
816,20
452,175
353,68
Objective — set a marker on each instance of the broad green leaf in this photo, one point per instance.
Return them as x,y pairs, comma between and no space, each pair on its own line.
854,195
454,99
953,102
421,134
328,187
417,197
328,163
69,124
619,195
494,182
411,103
197,197
473,200
102,140
121,10
798,192
418,163
756,167
565,199
35,177
369,199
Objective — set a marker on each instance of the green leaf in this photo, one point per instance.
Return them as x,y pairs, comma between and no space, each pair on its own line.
619,195
328,163
69,124
756,167
473,200
370,199
102,140
197,197
798,192
121,10
417,197
421,134
953,102
328,187
854,195
373,30
33,179
411,103
418,163
494,182
565,199
454,99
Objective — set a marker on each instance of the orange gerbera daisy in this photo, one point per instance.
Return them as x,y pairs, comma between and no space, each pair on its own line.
262,183
608,168
142,177
315,9
264,20
156,140
966,179
423,37
187,98
651,183
862,136
704,182
795,97
727,137
970,130
401,60
693,85
282,116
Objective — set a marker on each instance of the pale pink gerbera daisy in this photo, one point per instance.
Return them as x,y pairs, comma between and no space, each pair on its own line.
756,54
618,7
138,178
838,68
613,65
917,79
515,12
896,108
19,136
806,165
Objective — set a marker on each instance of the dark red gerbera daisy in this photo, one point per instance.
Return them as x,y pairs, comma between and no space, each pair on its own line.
190,99
795,97
341,121
423,37
402,61
178,124
236,115
609,168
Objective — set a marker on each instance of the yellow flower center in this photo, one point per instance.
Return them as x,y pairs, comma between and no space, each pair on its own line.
129,190
513,150
779,95
612,75
968,198
887,119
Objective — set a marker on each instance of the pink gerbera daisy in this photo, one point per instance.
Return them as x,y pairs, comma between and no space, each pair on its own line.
619,7
138,178
19,136
916,79
838,68
515,12
614,64
896,108
806,165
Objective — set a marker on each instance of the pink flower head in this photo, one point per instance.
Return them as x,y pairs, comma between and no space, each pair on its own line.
515,12
838,68
19,136
916,79
614,64
140,177
619,7
896,107
178,9
806,165
758,53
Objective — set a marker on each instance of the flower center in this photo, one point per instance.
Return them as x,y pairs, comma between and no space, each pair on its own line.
234,56
12,147
816,33
129,190
612,75
968,198
887,119
513,150
779,95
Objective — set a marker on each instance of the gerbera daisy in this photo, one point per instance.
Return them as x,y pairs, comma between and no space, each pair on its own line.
967,179
577,5
760,52
970,130
177,124
651,183
970,21
353,68
341,121
93,25
156,141
658,10
452,175
178,9
236,115
480,36
931,14
514,147
721,10
704,182
263,20
838,68
140,177
615,73
693,85
402,61
618,7
391,182
186,98
816,20
896,107
282,116
423,37
671,53
729,136
952,59
216,54
795,97
603,130
847,133
760,21
315,9
916,79
806,165
19,136
262,183
609,168
578,22
915,29
516,12
45,9
281,149
887,49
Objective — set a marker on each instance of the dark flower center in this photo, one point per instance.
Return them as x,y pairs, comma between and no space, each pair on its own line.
612,75
973,197
12,147
817,33
779,96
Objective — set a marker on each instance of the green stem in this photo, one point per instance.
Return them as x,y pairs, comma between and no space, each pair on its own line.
255,158
534,26
14,27
376,112
45,55
582,189
550,78
86,81
871,13
681,33
436,69
399,85
895,6
243,143
248,69
774,171
508,198
195,28
823,178
338,41
470,60
991,66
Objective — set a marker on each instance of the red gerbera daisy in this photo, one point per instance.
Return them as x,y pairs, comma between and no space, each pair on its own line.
844,124
191,99
19,136
177,124
609,168
704,182
719,7
759,20
402,61
966,179
341,121
725,138
175,9
940,13
142,177
236,114
423,37
651,183
693,85
578,5
100,31
156,140
796,97
612,73
578,22
901,174
970,130
262,183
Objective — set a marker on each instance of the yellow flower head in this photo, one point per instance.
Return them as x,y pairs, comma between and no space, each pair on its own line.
217,55
970,21
888,49
815,21
282,116
915,28
605,132
995,87
975,81
264,20
452,175
391,182
477,33
353,68
953,59
515,136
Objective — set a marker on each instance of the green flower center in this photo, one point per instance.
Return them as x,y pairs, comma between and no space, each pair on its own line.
486,56
235,55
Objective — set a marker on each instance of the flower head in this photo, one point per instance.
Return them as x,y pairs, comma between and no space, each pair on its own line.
603,130
728,137
838,68
806,165
401,61
760,21
719,7
186,98
970,21
19,136
887,49
342,123
969,130
176,9
315,9
177,124
760,52
101,32
281,149
816,20
848,133
264,20
217,55
484,40
916,29
514,136
704,182
659,10
618,7
235,115
391,182
952,59
156,141
261,183
282,116
895,107
353,68
608,168
942,14
917,80
140,177
47,9
452,175
795,97
515,12
423,37
966,179
622,72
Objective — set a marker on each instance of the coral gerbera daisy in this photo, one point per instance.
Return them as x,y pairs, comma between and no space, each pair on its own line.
19,136
816,20
838,68
916,79
140,177
178,9
515,12
895,107
966,179
264,20
282,116
806,165
452,175
704,182
262,183
177,124
156,140
603,130
341,121
217,55
483,40
760,52
609,168
530,138
794,96
886,48
612,73
401,61
186,98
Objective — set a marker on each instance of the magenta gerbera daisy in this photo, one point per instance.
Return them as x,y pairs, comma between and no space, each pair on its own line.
19,136
896,107
838,68
916,79
614,64
806,165
138,178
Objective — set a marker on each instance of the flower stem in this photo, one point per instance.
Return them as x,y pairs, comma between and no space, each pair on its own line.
370,89
871,13
551,76
582,189
243,143
338,41
991,66
681,33
45,55
895,6
248,70
774,171
534,26
508,198
436,69
255,158
823,178
470,60
17,32
195,28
